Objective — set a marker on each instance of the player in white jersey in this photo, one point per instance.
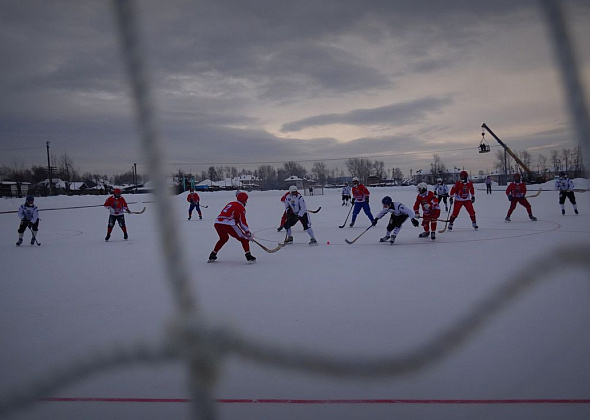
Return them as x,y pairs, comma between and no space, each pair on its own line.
399,214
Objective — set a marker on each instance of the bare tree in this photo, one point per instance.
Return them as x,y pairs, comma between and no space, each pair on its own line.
320,172
379,169
555,160
542,163
566,155
268,176
361,168
294,168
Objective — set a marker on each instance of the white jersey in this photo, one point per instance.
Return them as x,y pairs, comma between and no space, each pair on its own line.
28,213
296,203
346,190
441,189
564,184
396,209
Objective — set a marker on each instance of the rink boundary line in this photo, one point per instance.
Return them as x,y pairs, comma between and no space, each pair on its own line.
327,402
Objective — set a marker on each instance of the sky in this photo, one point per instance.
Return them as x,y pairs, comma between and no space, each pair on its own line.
264,82
76,297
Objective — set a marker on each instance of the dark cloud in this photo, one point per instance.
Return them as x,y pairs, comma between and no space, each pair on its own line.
395,114
223,72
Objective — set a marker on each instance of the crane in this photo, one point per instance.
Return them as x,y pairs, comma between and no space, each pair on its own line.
484,148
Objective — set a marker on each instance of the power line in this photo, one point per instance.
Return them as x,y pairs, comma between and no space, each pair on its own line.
324,159
22,148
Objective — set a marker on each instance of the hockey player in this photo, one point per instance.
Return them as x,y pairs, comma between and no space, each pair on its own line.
194,199
488,185
232,222
565,186
516,193
345,194
297,212
117,207
360,198
463,194
442,192
399,214
284,216
430,210
29,217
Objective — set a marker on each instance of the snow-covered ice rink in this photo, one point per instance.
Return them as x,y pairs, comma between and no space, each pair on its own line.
76,294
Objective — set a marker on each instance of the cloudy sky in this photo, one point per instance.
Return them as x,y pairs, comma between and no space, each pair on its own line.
245,83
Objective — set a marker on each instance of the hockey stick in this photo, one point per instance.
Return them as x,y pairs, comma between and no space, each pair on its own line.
346,220
535,194
34,236
315,211
354,240
205,206
447,221
270,251
137,212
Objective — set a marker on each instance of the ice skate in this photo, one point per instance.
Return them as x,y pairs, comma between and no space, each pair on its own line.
432,235
125,236
474,225
450,227
250,257
19,242
33,240
289,240
392,239
212,256
507,219
106,238
563,211
313,241
533,218
424,235
385,238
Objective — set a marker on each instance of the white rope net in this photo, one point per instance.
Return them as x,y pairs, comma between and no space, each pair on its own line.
203,347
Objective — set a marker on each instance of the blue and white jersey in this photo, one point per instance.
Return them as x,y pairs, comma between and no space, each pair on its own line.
441,189
396,209
346,190
564,184
28,213
296,203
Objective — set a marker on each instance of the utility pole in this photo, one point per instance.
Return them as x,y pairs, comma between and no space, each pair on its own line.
49,170
135,176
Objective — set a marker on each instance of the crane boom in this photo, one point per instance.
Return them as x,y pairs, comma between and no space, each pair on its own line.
530,174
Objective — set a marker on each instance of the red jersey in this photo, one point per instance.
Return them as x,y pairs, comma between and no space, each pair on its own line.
193,198
285,196
427,201
116,206
233,213
516,189
462,191
359,193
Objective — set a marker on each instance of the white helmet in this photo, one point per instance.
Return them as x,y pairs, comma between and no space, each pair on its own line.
292,189
355,179
422,187
439,180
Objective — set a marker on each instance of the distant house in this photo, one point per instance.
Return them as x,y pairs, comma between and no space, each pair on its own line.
14,188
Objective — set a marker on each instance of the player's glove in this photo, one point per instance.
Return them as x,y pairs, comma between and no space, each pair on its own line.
473,199
30,224
415,222
249,236
352,201
367,199
451,200
509,197
374,222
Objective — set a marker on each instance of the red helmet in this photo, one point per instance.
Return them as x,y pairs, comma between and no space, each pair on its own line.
463,175
242,197
117,192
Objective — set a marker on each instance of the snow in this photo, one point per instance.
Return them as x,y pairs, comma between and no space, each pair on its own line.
76,293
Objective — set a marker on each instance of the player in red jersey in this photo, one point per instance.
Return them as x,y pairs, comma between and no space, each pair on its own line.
117,207
463,194
232,222
194,199
430,210
516,193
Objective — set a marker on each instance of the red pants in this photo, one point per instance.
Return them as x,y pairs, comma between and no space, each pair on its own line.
457,207
225,231
430,219
521,200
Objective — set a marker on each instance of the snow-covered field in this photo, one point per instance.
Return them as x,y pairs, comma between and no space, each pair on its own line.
76,293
